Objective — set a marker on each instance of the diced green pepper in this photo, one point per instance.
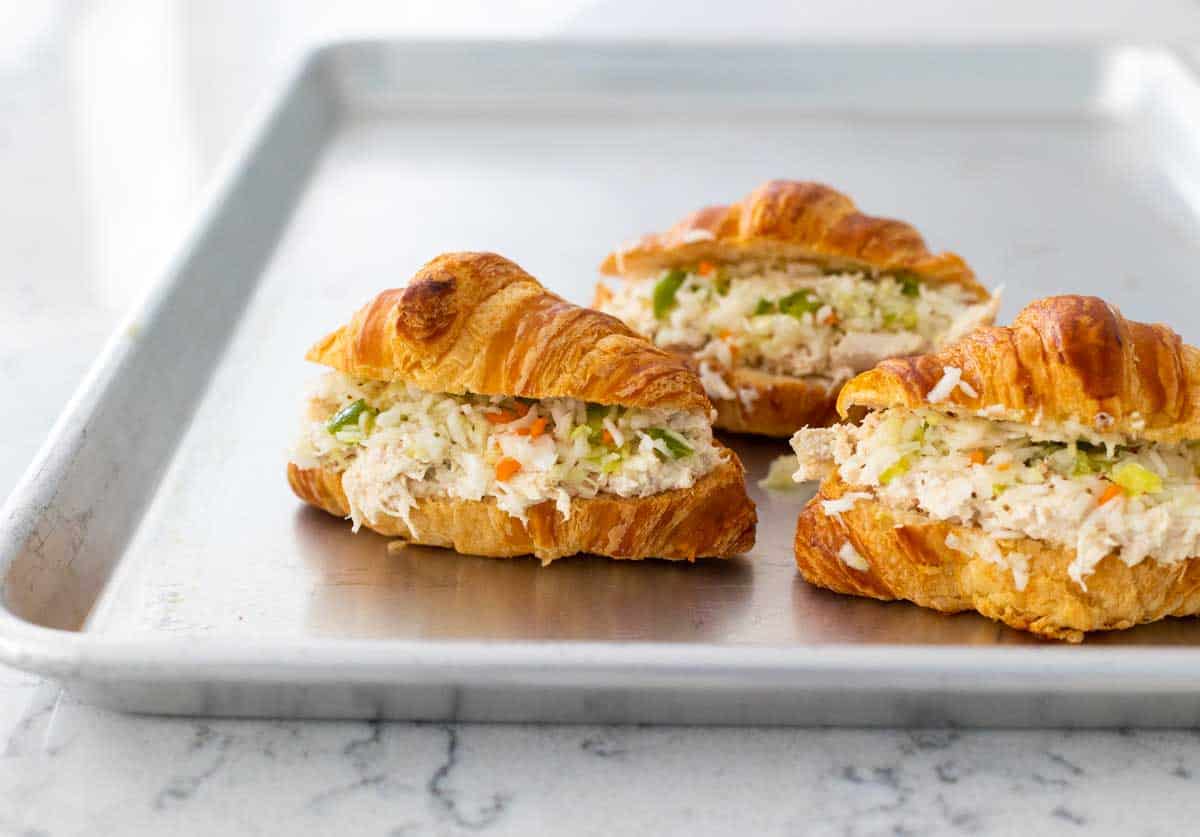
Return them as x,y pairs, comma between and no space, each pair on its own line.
800,303
909,284
765,306
1136,479
348,416
665,290
674,442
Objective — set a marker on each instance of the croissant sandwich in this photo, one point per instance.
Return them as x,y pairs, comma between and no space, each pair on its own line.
1044,475
475,410
778,300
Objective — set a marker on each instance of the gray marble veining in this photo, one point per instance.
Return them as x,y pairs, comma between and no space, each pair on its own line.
71,769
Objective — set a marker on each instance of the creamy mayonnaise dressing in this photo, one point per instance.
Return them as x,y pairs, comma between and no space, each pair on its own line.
792,319
395,443
1098,495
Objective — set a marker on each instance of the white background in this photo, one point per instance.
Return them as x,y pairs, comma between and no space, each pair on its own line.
113,116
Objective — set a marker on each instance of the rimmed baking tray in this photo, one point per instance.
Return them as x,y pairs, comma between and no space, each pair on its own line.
154,559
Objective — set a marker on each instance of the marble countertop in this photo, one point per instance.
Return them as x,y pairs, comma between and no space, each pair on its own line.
93,188
69,769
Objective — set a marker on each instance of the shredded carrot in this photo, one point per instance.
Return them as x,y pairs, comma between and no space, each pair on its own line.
534,430
977,457
505,416
724,334
506,467
1111,493
1003,466
608,438
705,268
832,319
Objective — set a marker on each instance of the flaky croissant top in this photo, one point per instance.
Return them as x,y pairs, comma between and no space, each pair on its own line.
794,219
477,322
1064,359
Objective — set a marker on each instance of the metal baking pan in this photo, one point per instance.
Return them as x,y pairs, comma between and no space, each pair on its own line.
154,560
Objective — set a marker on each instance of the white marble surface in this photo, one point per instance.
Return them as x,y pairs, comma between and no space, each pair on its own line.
92,97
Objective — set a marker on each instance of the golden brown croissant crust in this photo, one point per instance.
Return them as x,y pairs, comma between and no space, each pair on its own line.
908,559
780,404
796,220
713,518
1064,358
477,322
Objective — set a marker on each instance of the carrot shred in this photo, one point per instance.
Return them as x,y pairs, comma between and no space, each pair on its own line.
502,417
1003,466
705,268
608,438
506,467
1111,493
534,430
520,408
832,319
977,457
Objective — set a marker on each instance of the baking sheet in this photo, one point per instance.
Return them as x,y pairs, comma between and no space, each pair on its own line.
168,527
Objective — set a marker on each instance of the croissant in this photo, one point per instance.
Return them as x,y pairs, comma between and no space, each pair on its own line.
1044,475
778,299
475,410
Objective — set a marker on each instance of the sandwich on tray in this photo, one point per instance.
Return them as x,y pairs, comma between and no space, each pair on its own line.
779,299
1044,475
474,409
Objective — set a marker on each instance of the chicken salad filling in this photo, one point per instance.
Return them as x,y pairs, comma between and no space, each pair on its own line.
792,318
395,443
1099,494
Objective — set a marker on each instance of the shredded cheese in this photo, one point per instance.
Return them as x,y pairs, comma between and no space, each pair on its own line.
843,503
851,558
942,390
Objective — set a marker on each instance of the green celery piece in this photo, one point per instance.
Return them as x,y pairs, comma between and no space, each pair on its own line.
673,441
1083,465
596,414
665,290
900,466
799,303
1136,479
765,306
347,416
909,284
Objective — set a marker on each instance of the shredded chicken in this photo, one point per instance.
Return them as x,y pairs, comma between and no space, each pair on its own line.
792,319
1095,493
394,443
860,350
